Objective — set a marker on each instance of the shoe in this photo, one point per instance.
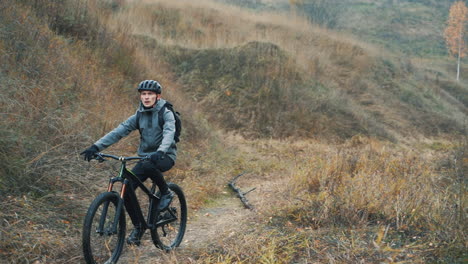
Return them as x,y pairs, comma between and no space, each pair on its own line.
166,200
135,236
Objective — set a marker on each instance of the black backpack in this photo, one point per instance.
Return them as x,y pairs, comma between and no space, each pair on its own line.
178,122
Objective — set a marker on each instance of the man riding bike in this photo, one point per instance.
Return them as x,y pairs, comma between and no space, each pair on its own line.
157,142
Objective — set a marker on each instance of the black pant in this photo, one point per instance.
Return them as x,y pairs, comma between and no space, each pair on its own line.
144,170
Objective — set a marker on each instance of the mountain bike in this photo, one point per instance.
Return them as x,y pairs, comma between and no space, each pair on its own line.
104,225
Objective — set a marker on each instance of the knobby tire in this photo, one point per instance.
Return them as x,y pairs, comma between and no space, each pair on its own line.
170,235
103,247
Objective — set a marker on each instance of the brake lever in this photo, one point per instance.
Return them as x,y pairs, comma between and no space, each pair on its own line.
99,158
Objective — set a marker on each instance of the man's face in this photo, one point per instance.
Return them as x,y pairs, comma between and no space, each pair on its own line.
148,98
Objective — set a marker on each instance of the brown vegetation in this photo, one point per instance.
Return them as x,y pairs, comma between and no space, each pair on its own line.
340,86
364,200
68,72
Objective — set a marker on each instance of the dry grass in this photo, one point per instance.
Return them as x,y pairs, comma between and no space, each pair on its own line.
360,181
208,25
54,94
363,201
257,75
362,84
60,92
40,230
335,60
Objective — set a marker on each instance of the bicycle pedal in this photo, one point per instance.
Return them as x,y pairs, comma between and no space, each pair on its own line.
134,243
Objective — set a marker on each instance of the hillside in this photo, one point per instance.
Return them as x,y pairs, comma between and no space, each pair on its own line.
348,86
343,137
412,27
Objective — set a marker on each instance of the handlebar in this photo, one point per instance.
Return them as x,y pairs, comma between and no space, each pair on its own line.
101,157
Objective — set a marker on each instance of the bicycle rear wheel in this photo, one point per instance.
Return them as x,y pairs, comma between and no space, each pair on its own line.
171,223
102,241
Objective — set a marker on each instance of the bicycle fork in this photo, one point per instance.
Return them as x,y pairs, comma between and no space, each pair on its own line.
113,230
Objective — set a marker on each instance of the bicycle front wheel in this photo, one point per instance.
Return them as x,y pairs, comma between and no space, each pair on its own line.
103,232
171,223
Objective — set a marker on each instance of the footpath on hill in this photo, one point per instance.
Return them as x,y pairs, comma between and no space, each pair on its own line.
223,218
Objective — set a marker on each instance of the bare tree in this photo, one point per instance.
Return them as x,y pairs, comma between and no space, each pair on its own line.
455,30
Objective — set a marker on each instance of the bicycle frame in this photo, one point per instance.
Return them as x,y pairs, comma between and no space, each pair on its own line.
104,226
123,177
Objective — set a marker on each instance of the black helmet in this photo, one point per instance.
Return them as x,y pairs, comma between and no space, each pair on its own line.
150,85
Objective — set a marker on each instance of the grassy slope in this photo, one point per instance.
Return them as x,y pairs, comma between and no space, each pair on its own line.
411,27
222,61
351,87
46,81
62,87
343,77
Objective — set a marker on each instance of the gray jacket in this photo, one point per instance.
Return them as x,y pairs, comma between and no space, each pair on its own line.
152,137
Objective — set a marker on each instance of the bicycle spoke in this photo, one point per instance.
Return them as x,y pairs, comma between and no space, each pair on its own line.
170,227
102,245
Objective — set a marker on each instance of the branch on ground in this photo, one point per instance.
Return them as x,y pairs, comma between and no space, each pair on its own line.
240,194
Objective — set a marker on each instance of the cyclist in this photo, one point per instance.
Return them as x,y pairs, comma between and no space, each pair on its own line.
156,142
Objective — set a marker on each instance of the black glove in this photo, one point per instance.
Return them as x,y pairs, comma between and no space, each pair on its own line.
157,156
90,152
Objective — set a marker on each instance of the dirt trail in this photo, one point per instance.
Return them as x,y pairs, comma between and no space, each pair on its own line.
221,219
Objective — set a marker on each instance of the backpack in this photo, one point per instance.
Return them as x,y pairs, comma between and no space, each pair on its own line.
178,122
